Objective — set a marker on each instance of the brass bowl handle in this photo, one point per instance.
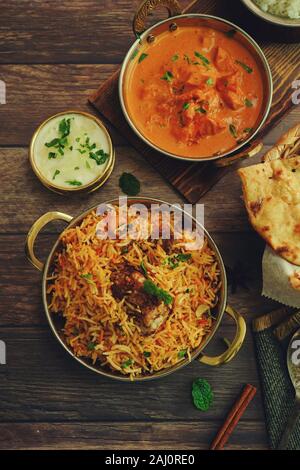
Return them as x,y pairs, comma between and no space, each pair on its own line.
236,344
251,151
35,230
145,9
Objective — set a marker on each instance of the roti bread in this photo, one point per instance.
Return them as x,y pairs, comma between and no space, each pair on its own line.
272,198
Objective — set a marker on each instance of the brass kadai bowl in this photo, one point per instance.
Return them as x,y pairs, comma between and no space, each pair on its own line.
270,18
145,37
56,322
93,185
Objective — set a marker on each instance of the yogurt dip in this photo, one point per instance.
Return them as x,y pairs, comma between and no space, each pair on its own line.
71,151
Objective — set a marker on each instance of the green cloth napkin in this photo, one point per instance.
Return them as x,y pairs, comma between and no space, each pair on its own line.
272,333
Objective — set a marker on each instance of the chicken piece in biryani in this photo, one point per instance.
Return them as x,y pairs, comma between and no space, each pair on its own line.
128,284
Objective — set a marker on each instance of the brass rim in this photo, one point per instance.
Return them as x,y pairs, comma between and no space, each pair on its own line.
221,307
231,25
270,18
89,187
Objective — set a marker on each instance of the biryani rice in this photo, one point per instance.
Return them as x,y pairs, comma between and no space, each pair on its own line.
96,324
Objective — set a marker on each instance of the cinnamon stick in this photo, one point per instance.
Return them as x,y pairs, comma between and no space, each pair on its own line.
233,417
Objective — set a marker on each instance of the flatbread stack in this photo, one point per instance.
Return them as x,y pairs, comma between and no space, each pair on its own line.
272,196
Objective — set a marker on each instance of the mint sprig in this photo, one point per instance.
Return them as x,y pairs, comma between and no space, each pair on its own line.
202,394
129,184
152,289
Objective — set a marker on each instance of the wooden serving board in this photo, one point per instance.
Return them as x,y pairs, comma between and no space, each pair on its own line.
193,180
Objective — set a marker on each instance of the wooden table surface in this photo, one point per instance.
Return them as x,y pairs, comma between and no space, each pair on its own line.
53,54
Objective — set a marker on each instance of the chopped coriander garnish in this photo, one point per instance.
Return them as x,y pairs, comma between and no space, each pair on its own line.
74,182
167,76
129,184
55,174
147,354
182,354
52,143
183,256
248,103
174,261
127,363
248,130
202,58
88,277
230,33
232,130
210,81
100,156
143,268
134,54
201,110
71,148
142,57
87,144
186,105
152,289
175,57
87,165
60,143
64,127
51,155
91,346
76,168
244,66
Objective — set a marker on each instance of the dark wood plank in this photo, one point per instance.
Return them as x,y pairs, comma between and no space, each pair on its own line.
27,199
44,91
193,180
66,32
133,435
41,382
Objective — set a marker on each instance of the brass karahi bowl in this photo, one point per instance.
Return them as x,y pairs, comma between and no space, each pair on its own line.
146,37
56,322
